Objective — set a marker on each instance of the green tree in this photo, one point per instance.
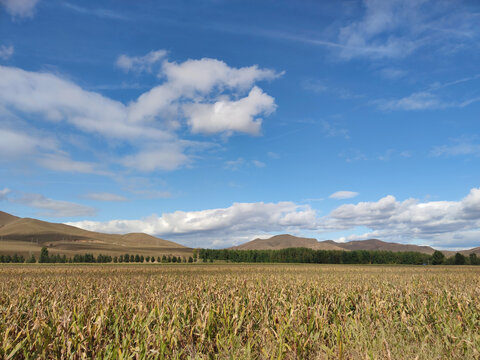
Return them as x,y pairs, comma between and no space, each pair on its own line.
32,259
438,258
473,259
43,255
459,259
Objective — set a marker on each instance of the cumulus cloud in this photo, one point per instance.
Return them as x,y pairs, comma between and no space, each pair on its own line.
198,82
19,8
4,193
140,63
343,194
439,223
55,208
205,96
6,52
410,219
105,197
240,220
230,116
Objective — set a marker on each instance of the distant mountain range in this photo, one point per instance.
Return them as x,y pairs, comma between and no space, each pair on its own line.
289,241
25,236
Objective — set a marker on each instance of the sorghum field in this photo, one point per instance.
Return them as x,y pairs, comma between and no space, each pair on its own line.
239,312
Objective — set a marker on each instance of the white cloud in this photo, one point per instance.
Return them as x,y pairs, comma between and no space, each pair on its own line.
20,8
409,219
202,84
140,63
105,197
416,101
241,220
458,148
273,155
98,12
237,164
392,73
258,163
204,75
168,157
204,94
230,116
4,193
63,163
343,195
6,52
381,31
438,223
55,208
397,28
15,144
331,130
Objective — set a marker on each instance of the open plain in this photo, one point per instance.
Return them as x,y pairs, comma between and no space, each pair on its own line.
212,311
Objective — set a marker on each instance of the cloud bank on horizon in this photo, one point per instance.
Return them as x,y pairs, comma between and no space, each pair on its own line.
435,222
244,119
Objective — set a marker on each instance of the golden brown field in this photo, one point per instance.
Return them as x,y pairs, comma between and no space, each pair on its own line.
239,312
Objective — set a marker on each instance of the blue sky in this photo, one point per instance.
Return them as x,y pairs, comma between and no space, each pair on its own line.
212,123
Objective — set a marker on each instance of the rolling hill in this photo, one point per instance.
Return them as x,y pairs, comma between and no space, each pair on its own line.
288,241
25,236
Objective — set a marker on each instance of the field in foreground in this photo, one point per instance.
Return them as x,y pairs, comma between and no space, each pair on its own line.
239,312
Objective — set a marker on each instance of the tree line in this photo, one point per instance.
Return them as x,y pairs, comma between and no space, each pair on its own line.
290,255
310,256
46,257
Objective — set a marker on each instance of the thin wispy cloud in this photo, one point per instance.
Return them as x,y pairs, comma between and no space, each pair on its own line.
98,12
54,208
6,52
19,8
457,147
109,197
343,194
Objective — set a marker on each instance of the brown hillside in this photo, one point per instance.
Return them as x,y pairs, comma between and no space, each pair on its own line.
285,241
375,244
475,250
288,241
25,236
6,218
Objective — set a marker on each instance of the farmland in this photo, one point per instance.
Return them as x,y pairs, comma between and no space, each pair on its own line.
239,311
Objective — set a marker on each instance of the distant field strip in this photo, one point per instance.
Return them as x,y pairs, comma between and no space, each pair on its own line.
239,312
